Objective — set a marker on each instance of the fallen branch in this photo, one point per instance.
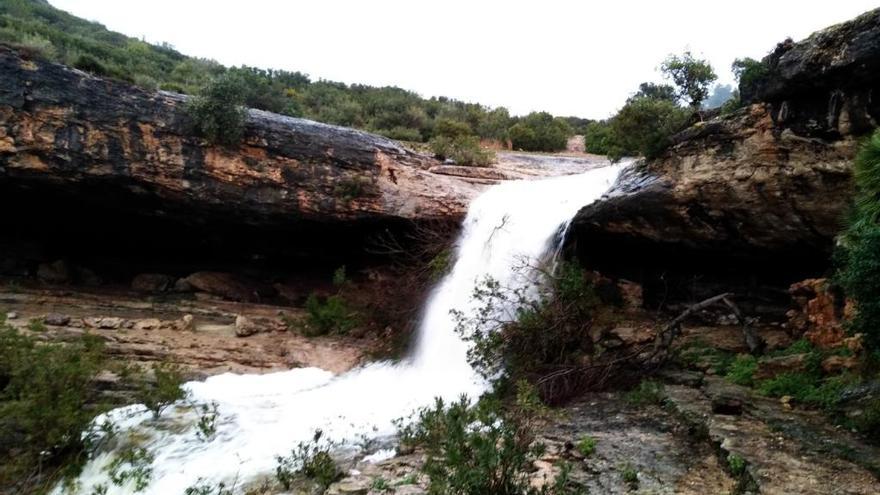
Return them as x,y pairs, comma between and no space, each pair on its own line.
562,382
753,341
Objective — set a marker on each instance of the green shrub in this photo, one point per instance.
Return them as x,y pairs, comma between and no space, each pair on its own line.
217,113
647,392
736,464
480,448
742,370
540,131
586,445
46,403
92,65
748,72
464,150
401,133
163,390
629,475
449,128
599,138
808,388
308,461
644,126
549,333
35,325
860,275
329,315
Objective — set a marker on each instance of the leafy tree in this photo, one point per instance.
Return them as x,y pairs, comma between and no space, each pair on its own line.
655,91
494,124
644,125
692,77
599,138
748,70
540,131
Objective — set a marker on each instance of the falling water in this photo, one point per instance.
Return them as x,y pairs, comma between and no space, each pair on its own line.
262,416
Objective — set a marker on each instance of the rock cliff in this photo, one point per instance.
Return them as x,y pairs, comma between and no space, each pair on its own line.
62,125
99,169
767,186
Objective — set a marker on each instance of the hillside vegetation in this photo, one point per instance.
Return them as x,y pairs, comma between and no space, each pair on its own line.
40,30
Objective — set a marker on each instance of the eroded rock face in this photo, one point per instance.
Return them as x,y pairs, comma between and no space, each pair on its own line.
739,182
761,191
59,125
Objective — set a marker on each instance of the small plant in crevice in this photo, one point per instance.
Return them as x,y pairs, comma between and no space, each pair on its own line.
629,475
380,484
351,188
647,392
742,370
35,325
440,264
586,445
308,461
736,464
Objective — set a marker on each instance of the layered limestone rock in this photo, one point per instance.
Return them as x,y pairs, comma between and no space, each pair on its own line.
64,127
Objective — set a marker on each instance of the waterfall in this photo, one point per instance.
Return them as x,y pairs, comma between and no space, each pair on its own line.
261,416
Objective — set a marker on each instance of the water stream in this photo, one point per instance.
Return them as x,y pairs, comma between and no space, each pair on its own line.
261,416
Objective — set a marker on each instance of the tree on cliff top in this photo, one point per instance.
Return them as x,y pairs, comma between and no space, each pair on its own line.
218,112
691,75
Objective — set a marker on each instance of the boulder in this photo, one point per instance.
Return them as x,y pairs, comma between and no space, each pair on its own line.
837,364
56,272
56,319
821,312
773,366
152,282
244,327
104,322
230,286
147,324
185,324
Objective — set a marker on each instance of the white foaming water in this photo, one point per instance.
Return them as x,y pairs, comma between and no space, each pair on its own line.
262,416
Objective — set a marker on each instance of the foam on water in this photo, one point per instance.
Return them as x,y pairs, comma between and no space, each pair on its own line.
262,416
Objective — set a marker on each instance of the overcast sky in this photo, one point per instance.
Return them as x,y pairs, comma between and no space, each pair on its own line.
567,57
